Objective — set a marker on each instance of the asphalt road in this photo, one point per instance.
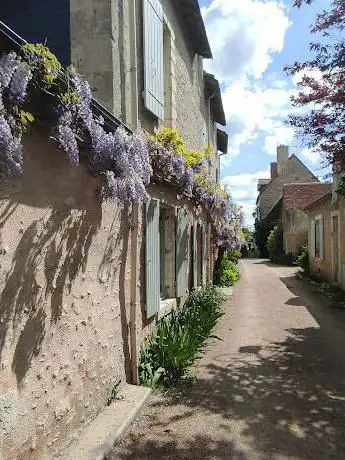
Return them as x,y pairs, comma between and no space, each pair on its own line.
272,389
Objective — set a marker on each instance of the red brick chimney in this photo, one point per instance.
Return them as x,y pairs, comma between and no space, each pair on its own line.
274,170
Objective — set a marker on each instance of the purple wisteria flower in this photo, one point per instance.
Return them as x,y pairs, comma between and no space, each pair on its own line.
85,97
11,160
8,65
68,143
19,83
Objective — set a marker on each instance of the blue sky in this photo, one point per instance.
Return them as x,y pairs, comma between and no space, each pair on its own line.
251,41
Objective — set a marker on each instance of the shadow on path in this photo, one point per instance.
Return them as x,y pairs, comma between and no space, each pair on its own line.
263,400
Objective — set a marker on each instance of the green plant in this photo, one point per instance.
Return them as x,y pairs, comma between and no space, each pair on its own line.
170,139
234,256
43,61
261,233
179,339
303,259
275,244
226,273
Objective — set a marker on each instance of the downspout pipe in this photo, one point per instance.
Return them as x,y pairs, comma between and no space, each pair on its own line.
133,294
133,65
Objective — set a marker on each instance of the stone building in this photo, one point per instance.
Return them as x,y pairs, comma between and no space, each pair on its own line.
283,197
81,281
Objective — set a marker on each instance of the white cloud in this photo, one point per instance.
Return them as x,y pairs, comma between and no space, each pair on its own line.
238,33
243,49
280,134
243,188
314,158
251,109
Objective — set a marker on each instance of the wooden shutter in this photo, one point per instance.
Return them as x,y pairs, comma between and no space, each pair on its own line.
204,254
322,246
195,256
152,258
181,252
153,57
312,238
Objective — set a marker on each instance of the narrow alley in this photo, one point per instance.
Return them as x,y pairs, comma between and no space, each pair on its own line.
273,388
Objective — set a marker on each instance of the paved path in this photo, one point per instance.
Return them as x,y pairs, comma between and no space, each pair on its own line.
272,389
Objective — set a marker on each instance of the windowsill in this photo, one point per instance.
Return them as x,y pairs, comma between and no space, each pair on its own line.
166,306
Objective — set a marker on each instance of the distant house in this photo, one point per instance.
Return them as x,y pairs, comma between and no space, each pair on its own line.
327,237
282,198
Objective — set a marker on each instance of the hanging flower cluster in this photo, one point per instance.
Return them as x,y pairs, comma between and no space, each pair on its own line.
126,162
170,163
15,76
120,158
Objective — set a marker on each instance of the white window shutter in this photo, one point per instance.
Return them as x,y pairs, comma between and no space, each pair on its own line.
322,246
312,238
152,258
181,252
153,57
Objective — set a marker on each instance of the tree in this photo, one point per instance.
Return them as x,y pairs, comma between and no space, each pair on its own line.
322,87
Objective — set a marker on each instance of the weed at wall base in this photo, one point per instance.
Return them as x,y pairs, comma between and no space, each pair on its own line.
179,339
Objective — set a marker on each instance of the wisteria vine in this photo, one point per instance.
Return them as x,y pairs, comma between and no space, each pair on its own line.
125,161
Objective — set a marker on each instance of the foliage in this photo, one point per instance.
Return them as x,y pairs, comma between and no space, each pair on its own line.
234,256
275,245
179,339
303,259
262,230
322,88
227,272
225,217
170,139
43,63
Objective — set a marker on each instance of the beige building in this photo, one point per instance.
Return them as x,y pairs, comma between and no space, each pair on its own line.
284,195
327,237
82,281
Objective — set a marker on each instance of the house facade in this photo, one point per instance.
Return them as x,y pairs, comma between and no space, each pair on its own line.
284,195
326,242
82,281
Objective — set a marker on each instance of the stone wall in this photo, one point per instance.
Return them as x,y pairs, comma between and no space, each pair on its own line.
72,289
295,227
187,82
63,295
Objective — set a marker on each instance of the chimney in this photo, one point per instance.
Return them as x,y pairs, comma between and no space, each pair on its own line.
282,157
274,170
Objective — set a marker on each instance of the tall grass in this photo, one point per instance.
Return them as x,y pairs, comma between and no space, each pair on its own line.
179,339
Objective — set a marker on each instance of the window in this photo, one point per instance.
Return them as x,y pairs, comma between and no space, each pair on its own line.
317,235
167,237
160,265
153,57
317,239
